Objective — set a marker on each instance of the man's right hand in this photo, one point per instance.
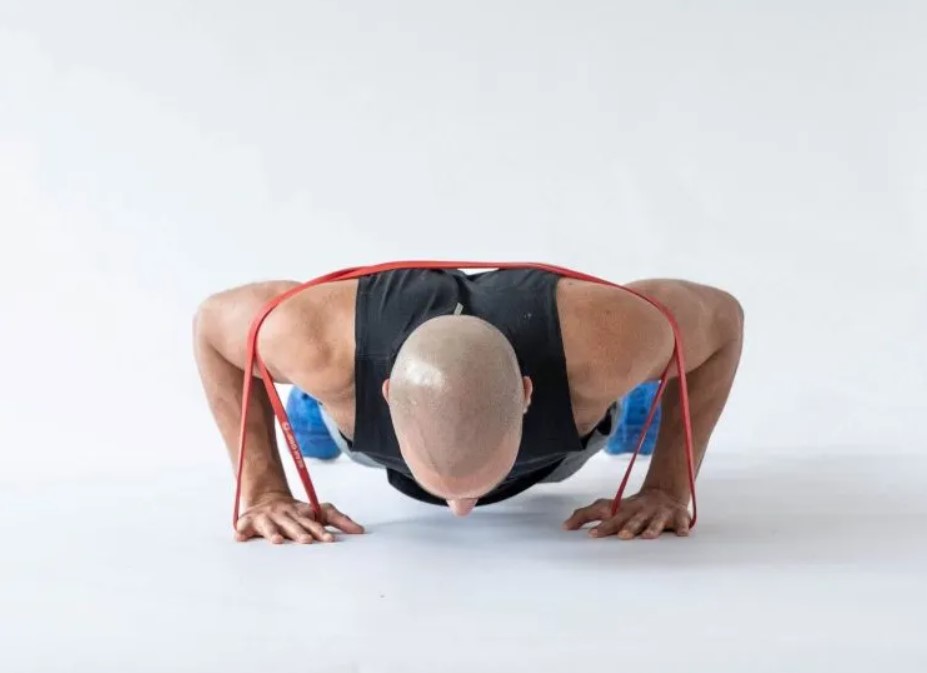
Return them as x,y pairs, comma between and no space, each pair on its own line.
279,517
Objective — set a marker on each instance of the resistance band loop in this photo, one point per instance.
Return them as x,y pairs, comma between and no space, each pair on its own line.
253,359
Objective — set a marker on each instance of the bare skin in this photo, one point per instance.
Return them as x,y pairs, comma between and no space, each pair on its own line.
612,341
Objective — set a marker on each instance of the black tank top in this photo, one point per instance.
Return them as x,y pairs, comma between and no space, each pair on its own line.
522,304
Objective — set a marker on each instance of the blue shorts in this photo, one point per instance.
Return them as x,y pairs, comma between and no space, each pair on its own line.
319,437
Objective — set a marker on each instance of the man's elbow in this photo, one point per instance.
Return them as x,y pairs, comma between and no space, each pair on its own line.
201,319
204,318
731,316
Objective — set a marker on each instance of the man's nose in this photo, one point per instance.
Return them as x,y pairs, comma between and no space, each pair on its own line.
462,506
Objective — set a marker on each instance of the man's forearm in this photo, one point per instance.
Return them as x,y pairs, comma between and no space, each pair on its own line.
262,472
709,387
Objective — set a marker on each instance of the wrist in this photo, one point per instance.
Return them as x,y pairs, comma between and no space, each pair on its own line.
679,492
259,494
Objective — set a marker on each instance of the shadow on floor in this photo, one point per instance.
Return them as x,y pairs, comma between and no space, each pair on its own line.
797,512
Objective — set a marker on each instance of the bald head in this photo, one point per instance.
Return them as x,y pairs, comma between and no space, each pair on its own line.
457,397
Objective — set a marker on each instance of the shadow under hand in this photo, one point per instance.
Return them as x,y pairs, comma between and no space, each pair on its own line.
795,511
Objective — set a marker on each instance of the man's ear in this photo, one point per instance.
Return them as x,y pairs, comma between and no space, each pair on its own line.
529,389
385,390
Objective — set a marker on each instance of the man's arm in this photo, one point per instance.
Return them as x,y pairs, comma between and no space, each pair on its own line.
711,323
220,340
221,328
711,326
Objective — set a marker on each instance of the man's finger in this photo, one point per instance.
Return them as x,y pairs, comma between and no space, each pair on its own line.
244,531
681,523
292,529
267,529
635,524
314,527
341,521
584,515
305,509
657,525
613,524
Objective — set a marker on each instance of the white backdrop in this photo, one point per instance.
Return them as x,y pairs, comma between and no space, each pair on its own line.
151,153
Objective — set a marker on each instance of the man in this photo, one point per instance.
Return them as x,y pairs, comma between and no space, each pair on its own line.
469,389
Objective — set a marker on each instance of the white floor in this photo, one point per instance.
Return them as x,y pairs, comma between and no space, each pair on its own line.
800,563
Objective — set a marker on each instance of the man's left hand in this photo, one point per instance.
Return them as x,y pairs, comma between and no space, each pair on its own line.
644,515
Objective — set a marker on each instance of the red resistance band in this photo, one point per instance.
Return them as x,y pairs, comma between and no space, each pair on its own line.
253,358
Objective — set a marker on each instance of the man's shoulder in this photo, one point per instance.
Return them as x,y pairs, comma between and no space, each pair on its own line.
603,310
612,338
309,338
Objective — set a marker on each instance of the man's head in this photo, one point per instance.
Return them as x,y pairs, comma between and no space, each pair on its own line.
457,397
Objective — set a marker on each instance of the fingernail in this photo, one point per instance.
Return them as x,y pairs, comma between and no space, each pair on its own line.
594,533
328,537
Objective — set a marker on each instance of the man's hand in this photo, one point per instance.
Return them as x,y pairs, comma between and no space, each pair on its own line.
646,514
279,517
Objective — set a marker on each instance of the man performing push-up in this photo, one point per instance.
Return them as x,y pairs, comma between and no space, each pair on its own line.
469,389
